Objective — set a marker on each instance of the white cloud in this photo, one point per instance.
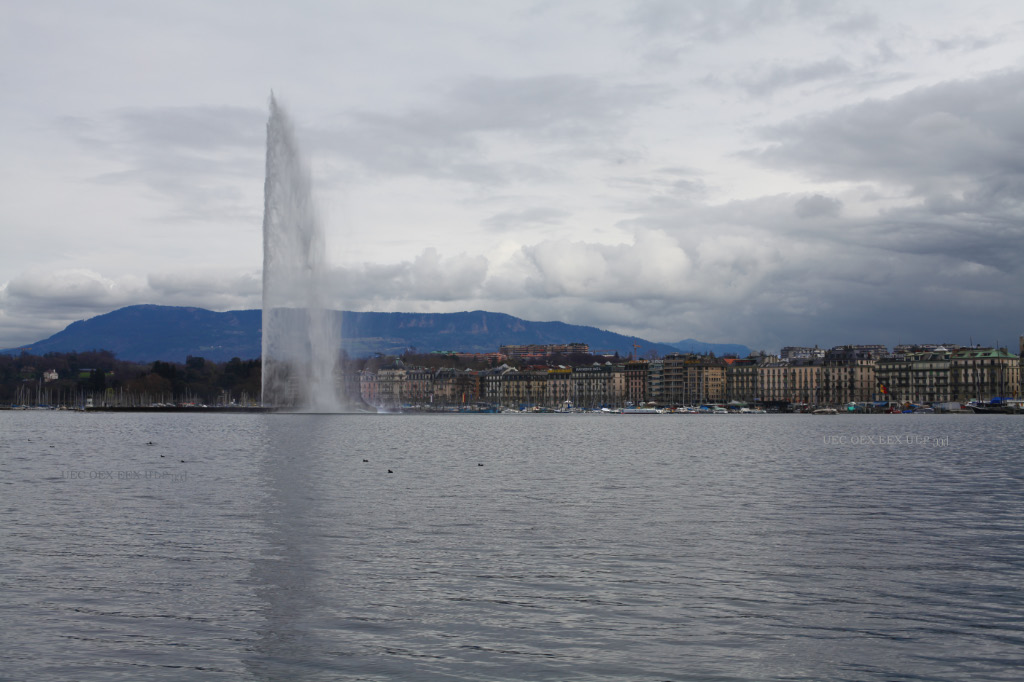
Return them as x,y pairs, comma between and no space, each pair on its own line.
36,304
65,290
429,278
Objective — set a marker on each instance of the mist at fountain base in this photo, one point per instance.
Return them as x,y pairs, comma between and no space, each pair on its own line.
302,371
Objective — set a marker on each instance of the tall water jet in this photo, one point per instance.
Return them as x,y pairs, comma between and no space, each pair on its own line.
301,335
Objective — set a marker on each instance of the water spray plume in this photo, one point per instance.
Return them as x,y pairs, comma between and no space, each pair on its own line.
301,335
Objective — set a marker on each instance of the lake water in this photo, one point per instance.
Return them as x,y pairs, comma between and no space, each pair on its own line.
507,547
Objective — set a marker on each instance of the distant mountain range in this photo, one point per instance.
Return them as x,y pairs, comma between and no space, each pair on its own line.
719,349
144,333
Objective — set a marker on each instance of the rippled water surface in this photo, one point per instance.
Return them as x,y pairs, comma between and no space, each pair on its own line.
507,547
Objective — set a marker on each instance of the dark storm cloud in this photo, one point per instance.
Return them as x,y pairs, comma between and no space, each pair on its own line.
794,270
959,131
817,205
954,152
989,240
942,252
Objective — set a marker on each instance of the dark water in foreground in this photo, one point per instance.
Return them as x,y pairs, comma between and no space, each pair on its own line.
852,547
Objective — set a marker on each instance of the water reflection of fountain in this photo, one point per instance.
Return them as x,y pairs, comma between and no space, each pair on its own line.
301,335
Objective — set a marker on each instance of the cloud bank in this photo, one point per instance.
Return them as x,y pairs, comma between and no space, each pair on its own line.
752,172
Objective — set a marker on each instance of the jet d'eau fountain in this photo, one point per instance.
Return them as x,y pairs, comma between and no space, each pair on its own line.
301,334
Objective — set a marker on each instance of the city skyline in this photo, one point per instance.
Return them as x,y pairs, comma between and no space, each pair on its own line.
760,173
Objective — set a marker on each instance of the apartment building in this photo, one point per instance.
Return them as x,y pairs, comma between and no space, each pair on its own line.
559,389
742,378
391,387
690,379
491,381
655,379
455,387
635,376
983,374
847,381
790,353
598,386
540,351
369,387
795,381
916,377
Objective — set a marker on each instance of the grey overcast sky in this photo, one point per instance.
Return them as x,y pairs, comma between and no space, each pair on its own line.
762,172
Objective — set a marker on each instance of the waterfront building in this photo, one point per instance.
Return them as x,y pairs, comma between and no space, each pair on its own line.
847,381
391,390
856,352
473,357
847,375
523,389
598,386
801,353
908,348
773,383
918,377
690,379
454,387
491,381
742,377
929,376
892,378
617,385
558,390
540,351
419,383
805,381
785,383
590,386
655,379
983,374
635,377
369,388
